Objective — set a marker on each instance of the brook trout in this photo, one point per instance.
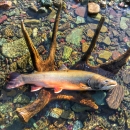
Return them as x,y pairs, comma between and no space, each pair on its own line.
62,80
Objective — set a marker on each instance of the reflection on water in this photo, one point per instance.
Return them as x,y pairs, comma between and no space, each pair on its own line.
76,30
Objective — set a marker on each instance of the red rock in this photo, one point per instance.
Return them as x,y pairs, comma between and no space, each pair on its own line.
82,41
52,20
3,18
125,39
81,11
115,55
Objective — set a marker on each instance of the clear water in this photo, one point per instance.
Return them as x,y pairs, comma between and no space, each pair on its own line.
102,119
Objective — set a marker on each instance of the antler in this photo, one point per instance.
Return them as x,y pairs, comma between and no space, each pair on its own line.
25,113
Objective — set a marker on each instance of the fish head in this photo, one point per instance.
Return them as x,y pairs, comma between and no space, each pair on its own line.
102,83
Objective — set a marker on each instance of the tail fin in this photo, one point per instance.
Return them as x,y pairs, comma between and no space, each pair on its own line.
15,80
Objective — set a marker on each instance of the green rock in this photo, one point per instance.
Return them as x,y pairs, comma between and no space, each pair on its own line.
57,112
107,41
22,99
67,52
79,108
128,13
6,107
105,55
123,24
2,41
99,97
75,36
17,48
80,20
128,43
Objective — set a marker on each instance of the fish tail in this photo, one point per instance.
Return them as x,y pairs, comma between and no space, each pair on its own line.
15,80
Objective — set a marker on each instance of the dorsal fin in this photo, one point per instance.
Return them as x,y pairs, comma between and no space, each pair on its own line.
63,67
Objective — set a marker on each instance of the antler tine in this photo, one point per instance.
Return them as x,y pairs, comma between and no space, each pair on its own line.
94,40
54,36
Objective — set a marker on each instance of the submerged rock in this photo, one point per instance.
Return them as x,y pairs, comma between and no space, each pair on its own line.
99,97
81,11
107,41
75,36
67,52
17,48
57,112
105,55
80,20
79,108
22,99
123,24
93,8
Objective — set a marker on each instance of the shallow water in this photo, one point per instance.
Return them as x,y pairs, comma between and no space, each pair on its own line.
113,41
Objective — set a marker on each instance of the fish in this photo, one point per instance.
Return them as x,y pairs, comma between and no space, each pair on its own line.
77,80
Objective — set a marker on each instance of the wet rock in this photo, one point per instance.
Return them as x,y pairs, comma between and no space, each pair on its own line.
105,55
75,36
128,43
115,33
67,52
103,3
121,121
99,97
128,123
64,26
123,24
80,20
81,11
126,77
128,13
2,41
85,46
93,8
46,3
22,99
77,125
31,21
35,31
59,123
57,112
5,4
8,32
128,32
107,41
18,32
11,93
115,55
3,18
33,7
6,107
90,33
104,29
51,15
79,108
17,48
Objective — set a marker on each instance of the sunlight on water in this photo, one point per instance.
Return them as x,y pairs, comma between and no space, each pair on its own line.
75,32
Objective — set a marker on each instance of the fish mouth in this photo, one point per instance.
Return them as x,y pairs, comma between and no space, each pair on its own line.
109,86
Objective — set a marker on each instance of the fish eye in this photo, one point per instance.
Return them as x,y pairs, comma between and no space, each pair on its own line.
106,81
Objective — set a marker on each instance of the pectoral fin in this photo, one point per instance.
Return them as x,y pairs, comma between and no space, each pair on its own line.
84,86
57,90
35,88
